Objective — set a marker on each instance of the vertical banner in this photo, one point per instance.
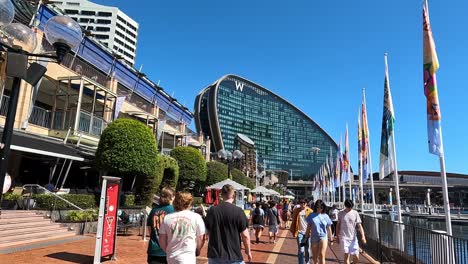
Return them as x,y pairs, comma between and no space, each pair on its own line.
107,219
118,105
110,219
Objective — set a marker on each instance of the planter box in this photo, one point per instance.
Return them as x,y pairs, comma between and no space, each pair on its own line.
81,228
10,204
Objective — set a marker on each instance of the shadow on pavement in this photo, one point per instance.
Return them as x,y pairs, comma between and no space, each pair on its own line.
72,257
272,252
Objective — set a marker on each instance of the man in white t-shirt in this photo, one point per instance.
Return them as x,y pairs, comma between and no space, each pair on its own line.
181,234
349,222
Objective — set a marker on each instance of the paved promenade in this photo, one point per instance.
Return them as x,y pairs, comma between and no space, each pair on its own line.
131,249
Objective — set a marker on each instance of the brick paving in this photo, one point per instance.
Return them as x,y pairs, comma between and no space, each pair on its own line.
131,249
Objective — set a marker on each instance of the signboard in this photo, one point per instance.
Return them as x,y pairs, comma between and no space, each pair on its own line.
107,219
110,219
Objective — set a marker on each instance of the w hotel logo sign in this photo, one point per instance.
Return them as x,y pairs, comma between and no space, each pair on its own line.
239,86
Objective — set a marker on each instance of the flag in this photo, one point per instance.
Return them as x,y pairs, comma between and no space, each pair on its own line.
338,166
359,145
365,143
430,67
346,176
386,165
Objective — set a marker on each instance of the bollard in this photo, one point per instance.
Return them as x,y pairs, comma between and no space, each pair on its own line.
145,219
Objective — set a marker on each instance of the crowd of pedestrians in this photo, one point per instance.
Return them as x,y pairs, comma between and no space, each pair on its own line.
178,234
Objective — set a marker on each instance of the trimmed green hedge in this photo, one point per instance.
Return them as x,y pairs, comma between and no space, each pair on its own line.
192,165
46,201
82,216
127,200
9,196
239,177
215,172
168,168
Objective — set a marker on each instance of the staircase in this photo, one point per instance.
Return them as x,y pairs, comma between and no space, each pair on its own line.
24,227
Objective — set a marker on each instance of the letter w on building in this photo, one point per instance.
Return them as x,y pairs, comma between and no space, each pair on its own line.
239,86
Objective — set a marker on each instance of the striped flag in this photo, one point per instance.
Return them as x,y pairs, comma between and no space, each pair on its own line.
430,67
359,144
346,176
365,143
386,165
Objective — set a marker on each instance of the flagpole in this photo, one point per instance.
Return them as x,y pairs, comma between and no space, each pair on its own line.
395,173
360,162
370,159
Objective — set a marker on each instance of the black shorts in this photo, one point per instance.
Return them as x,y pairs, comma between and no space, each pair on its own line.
157,260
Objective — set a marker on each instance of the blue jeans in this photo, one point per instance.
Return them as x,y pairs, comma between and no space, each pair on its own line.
301,251
223,261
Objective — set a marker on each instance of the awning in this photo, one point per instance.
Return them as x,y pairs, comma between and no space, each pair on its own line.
43,146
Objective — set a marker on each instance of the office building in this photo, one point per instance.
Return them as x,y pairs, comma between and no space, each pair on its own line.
110,26
285,138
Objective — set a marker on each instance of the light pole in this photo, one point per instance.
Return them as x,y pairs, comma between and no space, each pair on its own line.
229,158
18,41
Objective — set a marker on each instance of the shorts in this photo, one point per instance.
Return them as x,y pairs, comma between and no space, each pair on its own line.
255,226
223,261
316,239
156,259
350,246
273,229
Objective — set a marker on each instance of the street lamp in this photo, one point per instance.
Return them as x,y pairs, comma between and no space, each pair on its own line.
19,41
229,158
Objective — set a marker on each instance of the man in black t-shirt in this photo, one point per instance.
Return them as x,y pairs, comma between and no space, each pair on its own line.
226,224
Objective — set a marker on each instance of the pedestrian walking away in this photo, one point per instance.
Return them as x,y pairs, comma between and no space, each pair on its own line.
181,234
156,254
226,224
258,221
334,218
319,230
299,228
273,222
349,222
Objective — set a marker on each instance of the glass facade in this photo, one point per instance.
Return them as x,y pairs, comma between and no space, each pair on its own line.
284,136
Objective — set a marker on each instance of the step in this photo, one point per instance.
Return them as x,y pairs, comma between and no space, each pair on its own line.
20,215
35,239
24,224
21,220
31,229
15,237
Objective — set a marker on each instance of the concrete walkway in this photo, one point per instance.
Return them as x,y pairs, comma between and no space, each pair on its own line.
131,249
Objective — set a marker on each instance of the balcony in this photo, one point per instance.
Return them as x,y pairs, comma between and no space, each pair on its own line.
85,122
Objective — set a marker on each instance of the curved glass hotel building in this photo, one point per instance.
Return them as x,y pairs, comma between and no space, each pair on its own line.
285,138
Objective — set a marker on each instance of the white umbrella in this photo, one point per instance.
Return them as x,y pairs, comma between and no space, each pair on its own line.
265,191
219,185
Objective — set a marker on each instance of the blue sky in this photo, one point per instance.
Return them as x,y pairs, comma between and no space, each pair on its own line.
318,55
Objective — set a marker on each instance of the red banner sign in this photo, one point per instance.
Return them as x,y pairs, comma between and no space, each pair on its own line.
110,219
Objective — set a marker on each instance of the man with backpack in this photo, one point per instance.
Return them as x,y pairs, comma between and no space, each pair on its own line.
273,222
299,228
349,222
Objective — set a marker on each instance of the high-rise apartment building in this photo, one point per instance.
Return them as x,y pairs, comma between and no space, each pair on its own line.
107,24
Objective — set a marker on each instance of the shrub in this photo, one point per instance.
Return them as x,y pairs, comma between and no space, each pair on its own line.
81,216
238,176
9,196
46,201
192,165
127,147
127,200
197,201
249,182
169,171
215,172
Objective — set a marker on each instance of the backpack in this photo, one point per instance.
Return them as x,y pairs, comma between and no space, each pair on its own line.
257,218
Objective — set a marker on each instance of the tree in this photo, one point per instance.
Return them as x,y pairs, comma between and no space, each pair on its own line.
238,176
215,172
127,149
192,166
168,171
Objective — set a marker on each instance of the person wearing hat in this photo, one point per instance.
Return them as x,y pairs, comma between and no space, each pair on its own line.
299,228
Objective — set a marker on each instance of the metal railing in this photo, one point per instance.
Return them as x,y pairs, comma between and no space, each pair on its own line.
34,187
4,105
87,122
40,117
390,241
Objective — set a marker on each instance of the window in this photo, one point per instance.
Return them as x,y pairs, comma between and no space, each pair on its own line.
73,4
102,29
105,14
71,12
103,21
86,20
121,27
56,3
130,41
88,13
101,36
121,19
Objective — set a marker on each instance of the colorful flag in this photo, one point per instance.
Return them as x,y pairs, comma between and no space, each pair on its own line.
365,143
386,165
346,176
359,144
430,67
338,166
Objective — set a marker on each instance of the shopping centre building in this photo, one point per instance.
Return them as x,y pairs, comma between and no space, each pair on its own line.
59,120
234,110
